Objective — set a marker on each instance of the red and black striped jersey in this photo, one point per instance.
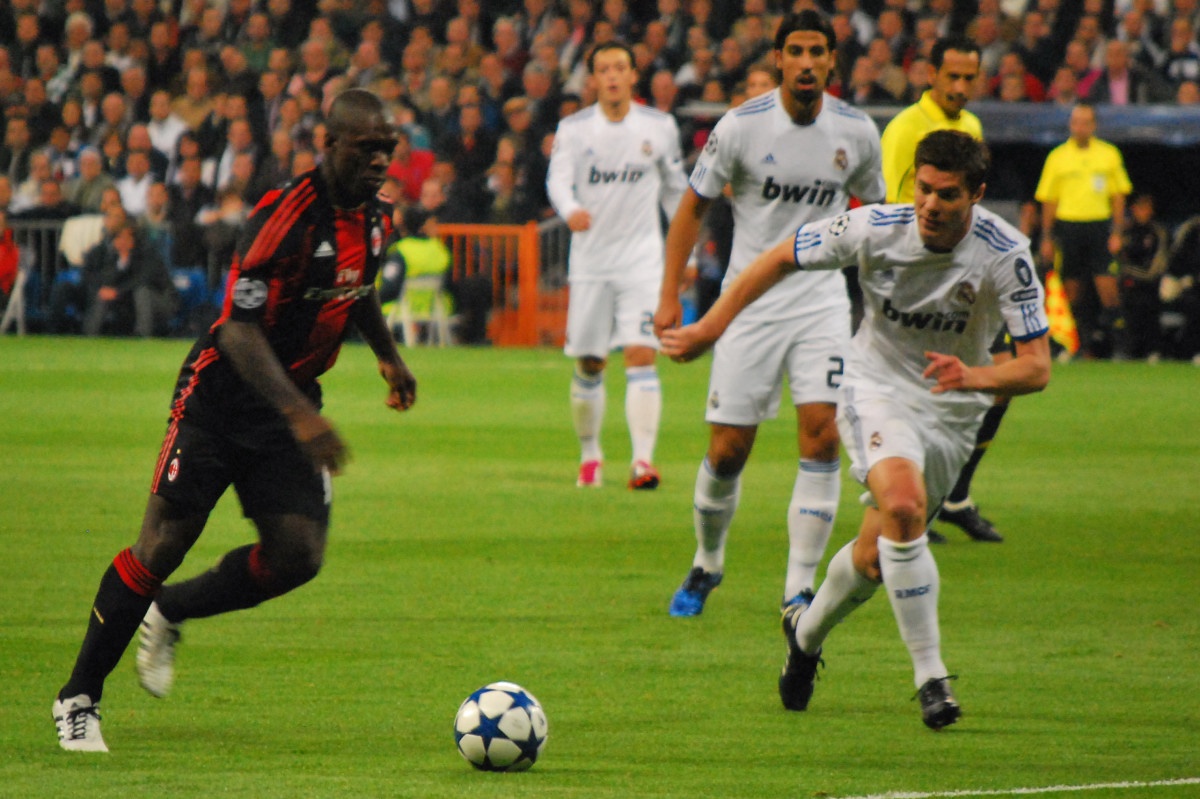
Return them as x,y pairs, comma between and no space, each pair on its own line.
299,267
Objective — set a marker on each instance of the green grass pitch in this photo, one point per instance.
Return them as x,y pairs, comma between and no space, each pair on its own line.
461,553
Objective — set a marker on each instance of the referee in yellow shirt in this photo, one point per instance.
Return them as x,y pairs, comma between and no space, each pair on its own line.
1082,191
955,61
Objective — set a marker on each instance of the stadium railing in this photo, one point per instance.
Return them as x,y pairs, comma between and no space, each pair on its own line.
525,267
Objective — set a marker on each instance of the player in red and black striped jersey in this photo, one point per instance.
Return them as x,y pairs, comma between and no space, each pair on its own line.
246,413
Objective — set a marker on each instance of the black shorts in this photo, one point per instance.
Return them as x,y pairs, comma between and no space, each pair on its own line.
1084,249
1003,343
195,466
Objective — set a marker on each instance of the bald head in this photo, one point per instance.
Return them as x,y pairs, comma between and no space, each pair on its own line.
351,110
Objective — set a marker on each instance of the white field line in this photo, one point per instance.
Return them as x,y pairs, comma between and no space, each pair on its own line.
1098,786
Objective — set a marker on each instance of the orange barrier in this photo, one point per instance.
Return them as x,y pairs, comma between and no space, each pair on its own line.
524,312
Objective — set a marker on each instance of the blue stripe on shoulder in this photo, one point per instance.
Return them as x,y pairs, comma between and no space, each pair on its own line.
900,216
756,106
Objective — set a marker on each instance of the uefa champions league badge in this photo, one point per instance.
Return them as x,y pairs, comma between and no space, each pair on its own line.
249,294
376,240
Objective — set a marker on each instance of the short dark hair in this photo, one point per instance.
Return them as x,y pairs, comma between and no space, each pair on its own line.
600,48
959,44
806,20
955,151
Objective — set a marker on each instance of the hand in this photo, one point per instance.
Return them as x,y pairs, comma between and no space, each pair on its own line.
950,373
1047,250
668,315
683,344
106,294
1114,243
401,384
319,440
579,221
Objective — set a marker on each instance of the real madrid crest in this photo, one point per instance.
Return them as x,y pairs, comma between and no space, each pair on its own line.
964,292
646,148
840,159
876,441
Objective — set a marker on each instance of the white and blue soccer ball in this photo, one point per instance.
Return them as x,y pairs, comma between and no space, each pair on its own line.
501,727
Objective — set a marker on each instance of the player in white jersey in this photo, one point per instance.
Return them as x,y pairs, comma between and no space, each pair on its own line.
938,277
613,166
791,156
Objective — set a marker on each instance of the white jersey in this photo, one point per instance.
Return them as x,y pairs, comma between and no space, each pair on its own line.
917,300
620,173
784,175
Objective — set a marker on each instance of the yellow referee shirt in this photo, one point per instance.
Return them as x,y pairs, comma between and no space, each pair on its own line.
1083,180
905,131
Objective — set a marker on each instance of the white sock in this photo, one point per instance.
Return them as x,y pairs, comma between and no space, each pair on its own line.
843,590
715,501
587,409
810,521
643,408
911,576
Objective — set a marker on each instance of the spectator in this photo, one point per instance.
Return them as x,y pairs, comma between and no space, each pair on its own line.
863,87
86,190
135,185
1123,82
155,221
53,73
692,76
472,149
1012,68
62,155
1188,93
1179,291
731,65
889,76
185,200
1145,247
16,151
238,141
221,224
410,167
41,114
256,43
6,192
1079,61
135,293
1064,90
164,60
10,258
1182,61
28,192
195,105
276,168
164,127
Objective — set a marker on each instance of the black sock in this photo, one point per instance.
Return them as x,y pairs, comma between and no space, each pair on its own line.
987,431
116,613
236,582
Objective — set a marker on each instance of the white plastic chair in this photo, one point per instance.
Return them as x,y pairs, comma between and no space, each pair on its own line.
437,319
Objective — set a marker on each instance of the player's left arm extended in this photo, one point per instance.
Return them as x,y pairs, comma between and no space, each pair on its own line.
368,318
1027,373
771,266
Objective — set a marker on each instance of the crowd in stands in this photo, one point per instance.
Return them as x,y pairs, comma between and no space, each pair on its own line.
192,109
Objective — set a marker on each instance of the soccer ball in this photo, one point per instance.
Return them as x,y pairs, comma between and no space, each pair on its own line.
500,727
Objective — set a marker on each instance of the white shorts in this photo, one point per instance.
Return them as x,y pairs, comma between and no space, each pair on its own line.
876,422
751,359
606,314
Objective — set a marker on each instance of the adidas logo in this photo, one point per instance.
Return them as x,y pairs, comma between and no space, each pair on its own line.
770,159
325,250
